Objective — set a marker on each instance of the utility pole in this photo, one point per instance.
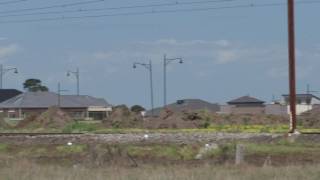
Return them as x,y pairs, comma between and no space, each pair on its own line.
3,71
77,75
292,66
167,61
309,89
148,67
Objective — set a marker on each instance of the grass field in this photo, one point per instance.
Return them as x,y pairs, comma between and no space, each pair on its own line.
288,161
28,171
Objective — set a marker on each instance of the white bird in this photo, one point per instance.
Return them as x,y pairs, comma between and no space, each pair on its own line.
69,144
146,136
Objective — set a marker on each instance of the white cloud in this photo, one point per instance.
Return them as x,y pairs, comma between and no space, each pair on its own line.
102,55
219,52
226,56
6,51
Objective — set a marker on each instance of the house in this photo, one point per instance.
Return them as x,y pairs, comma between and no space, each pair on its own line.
305,102
187,105
78,107
244,105
6,94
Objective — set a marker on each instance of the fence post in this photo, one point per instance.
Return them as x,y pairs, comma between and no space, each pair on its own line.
239,154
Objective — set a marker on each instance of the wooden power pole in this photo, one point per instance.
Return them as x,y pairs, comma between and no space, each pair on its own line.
292,66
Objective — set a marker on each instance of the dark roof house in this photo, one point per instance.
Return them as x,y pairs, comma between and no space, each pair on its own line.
244,105
49,99
246,100
303,99
79,107
189,105
6,94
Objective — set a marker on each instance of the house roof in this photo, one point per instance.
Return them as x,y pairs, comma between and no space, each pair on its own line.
303,96
246,100
48,99
188,104
6,94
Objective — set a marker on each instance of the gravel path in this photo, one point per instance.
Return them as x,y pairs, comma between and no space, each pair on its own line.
154,138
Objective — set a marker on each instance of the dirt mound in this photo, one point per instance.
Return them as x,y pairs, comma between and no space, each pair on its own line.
52,118
179,120
29,121
122,117
310,119
203,119
3,123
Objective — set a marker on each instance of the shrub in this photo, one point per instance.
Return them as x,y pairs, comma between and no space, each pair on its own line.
137,108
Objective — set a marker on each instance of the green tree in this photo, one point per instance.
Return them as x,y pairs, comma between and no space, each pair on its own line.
34,85
137,108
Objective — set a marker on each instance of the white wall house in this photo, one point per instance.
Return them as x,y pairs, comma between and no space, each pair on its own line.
305,102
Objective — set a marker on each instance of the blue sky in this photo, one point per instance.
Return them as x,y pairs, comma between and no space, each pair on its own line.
228,52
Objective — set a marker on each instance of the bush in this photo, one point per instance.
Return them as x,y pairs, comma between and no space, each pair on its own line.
137,108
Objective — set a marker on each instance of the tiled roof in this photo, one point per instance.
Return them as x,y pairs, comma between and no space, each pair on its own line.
6,94
48,99
303,96
246,99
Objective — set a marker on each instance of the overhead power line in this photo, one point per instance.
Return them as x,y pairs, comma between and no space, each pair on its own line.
177,3
53,6
11,2
252,5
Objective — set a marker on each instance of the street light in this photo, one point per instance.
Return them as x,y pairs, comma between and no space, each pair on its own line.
59,94
3,71
166,62
148,66
77,75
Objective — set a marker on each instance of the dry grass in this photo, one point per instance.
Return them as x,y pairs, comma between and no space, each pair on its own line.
25,170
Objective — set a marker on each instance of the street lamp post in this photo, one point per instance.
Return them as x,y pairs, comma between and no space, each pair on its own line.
3,71
59,94
148,67
167,61
77,75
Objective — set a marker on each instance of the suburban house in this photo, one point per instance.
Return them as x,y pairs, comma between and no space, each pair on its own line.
78,107
305,102
187,105
6,94
244,105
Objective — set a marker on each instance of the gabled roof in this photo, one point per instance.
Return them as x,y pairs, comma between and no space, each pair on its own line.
304,96
48,99
6,94
246,100
188,104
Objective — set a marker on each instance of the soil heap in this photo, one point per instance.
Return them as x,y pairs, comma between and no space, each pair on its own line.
54,117
122,117
310,119
3,123
203,119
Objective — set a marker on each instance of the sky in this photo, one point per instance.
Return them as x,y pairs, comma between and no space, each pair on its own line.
227,52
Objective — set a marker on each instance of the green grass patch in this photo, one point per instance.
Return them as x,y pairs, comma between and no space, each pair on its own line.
3,147
281,148
169,152
73,149
80,127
